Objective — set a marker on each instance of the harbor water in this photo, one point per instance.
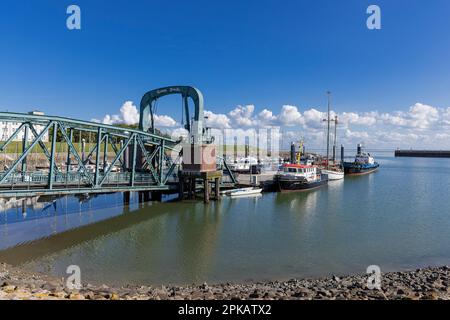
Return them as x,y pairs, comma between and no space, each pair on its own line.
397,218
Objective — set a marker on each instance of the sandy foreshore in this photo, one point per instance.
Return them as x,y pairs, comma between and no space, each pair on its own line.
427,283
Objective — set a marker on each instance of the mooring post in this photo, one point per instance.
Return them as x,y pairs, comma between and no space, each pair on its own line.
193,188
181,189
206,190
217,188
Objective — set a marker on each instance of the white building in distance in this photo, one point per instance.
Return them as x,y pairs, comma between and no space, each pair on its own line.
7,129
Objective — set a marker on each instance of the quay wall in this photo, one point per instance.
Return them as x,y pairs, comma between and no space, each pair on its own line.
423,153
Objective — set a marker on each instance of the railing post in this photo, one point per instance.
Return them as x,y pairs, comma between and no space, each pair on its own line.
52,156
97,157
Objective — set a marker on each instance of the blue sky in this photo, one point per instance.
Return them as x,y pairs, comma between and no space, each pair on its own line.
266,54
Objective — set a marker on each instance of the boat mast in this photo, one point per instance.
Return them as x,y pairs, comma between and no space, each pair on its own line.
335,139
328,129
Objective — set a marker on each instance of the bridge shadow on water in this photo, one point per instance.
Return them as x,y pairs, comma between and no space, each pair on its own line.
127,216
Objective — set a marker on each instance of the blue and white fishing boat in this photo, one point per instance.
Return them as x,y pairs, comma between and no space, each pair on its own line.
364,163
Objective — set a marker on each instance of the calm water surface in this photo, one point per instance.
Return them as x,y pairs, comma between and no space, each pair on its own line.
397,218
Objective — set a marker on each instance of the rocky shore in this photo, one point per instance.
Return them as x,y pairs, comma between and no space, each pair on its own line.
427,283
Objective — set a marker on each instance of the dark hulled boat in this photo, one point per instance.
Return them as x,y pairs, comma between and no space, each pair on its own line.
297,177
363,164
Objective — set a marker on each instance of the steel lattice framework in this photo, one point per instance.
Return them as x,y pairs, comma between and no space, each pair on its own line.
141,160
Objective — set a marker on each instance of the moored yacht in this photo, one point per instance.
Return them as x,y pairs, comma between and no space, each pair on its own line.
334,171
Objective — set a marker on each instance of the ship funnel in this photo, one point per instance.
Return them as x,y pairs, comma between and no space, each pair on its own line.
292,152
359,148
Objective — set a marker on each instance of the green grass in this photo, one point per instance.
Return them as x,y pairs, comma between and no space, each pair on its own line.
16,147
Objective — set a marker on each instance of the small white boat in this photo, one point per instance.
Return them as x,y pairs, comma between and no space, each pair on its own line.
228,192
248,192
333,174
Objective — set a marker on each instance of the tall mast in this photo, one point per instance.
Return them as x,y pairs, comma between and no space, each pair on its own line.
335,138
328,129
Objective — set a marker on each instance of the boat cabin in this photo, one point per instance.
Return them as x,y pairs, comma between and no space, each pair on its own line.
307,171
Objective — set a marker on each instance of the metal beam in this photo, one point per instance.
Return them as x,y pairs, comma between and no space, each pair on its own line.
118,155
12,137
133,160
81,167
52,156
41,144
25,152
24,117
97,157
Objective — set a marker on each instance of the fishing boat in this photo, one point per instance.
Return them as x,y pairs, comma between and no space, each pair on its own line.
364,163
245,192
333,171
299,177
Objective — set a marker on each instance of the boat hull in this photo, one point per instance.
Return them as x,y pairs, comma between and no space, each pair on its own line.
288,184
351,168
246,193
334,175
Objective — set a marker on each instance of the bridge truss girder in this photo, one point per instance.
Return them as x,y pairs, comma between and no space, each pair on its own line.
151,173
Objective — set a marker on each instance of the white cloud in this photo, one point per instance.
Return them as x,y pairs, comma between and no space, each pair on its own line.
267,117
419,116
129,114
420,125
242,115
290,116
214,120
164,121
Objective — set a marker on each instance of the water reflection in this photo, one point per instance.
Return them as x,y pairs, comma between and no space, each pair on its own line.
391,218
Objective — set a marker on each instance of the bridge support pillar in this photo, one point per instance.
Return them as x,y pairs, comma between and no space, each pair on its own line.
126,197
209,179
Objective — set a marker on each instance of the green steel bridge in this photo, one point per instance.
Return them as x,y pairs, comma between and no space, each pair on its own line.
139,159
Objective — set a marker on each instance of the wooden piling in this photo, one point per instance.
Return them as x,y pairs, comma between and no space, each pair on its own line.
205,191
217,188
